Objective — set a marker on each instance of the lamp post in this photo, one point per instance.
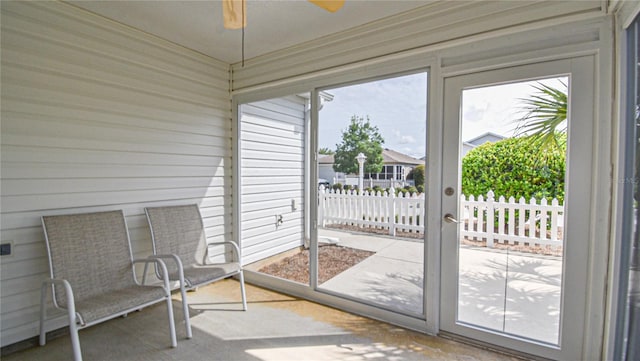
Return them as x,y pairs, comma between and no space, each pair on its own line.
360,158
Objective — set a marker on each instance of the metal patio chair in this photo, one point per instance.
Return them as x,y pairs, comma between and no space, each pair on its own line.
93,273
177,233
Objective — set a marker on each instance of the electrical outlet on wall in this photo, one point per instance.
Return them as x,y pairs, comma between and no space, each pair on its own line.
6,248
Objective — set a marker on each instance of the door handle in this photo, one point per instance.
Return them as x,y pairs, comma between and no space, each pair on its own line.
449,218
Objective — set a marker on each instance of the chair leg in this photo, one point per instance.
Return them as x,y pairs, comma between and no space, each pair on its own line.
185,310
75,338
43,314
172,324
244,294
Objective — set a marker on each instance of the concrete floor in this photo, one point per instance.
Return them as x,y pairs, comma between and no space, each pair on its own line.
276,327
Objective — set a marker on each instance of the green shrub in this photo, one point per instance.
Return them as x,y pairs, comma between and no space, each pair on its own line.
347,187
417,174
420,188
514,167
412,189
337,186
377,189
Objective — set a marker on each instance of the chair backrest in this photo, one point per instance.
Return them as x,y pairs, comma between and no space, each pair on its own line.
91,250
178,230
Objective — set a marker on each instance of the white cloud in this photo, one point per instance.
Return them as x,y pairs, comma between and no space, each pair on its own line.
406,139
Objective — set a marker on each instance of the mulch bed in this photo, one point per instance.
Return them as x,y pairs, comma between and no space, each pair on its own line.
332,260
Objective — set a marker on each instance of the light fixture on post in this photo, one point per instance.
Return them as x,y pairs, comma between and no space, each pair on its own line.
360,158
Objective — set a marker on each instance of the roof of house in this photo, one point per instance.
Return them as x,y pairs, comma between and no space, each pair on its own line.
486,137
389,156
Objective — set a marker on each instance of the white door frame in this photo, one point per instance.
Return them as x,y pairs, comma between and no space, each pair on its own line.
579,170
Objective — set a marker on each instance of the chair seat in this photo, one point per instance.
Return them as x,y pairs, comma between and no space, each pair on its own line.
197,274
117,301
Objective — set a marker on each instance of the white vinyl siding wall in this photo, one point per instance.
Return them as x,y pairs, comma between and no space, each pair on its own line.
97,116
272,148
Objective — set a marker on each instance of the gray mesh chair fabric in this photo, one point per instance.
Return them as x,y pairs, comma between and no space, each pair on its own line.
178,231
92,271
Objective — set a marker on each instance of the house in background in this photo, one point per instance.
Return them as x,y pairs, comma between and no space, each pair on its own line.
395,170
479,140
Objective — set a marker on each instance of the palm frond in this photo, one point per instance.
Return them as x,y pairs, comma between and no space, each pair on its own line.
545,113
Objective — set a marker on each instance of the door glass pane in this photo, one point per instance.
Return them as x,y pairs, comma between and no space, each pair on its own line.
371,228
512,162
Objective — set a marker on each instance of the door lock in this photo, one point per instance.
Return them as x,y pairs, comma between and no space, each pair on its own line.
449,191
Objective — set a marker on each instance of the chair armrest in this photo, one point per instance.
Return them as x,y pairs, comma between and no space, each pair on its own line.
71,305
235,247
176,259
157,261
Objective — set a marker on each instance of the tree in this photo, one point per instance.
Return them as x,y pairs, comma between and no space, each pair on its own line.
513,167
418,175
359,137
326,151
544,120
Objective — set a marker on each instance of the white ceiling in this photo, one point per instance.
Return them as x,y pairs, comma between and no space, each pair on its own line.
272,24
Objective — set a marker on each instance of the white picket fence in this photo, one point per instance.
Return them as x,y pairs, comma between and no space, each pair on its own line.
484,219
404,212
508,221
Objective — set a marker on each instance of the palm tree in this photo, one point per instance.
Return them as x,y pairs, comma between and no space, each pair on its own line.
545,116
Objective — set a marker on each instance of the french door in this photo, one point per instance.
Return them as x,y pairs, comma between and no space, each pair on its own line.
514,265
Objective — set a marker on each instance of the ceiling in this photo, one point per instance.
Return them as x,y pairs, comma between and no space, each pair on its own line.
272,24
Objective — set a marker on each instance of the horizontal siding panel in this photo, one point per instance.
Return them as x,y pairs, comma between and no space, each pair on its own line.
73,26
267,164
18,301
294,132
271,148
60,88
285,210
270,240
261,171
278,206
18,50
20,170
12,204
269,221
15,187
285,188
271,196
264,180
286,116
19,220
96,117
25,154
277,156
43,126
270,139
200,128
133,79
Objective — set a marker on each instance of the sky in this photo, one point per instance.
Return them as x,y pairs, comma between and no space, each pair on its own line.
397,106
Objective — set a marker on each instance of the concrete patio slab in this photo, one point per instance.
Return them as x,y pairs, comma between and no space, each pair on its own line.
513,292
387,282
276,327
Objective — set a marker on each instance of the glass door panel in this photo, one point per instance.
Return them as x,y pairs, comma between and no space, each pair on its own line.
514,180
370,244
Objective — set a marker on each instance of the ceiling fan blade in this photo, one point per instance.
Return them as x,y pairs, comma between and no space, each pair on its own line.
234,13
330,5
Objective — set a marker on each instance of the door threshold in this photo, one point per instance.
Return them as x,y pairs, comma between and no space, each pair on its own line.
490,347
